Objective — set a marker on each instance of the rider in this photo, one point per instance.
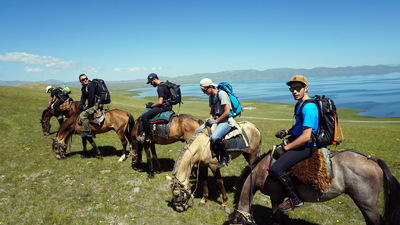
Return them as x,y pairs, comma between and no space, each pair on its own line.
57,96
302,143
161,105
88,93
219,114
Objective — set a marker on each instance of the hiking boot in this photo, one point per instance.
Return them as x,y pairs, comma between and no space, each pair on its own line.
289,205
224,162
143,138
86,134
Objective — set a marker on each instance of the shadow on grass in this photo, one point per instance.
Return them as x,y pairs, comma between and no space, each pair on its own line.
91,152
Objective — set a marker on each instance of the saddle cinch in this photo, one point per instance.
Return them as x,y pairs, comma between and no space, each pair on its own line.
314,171
160,124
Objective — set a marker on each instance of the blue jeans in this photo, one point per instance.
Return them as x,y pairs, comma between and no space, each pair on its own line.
220,131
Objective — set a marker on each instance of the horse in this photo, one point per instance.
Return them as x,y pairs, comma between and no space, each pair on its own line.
118,120
182,127
198,152
48,113
358,175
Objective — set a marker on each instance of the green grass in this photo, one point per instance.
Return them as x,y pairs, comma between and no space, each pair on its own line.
36,188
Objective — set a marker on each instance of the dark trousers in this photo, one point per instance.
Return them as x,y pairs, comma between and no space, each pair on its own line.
56,106
289,159
149,115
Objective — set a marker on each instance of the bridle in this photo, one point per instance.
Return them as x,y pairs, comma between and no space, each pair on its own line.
181,195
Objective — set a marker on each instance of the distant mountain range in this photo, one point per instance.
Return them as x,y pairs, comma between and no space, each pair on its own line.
242,74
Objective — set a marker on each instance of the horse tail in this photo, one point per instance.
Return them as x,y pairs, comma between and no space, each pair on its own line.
392,195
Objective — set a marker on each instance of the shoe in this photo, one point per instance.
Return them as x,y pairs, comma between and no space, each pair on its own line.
288,205
140,138
224,162
86,134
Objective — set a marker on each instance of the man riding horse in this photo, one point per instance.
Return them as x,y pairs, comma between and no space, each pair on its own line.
57,97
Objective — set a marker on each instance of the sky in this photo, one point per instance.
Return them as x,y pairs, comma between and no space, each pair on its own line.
128,39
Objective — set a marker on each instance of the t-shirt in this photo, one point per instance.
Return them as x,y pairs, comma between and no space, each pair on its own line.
163,91
218,104
310,118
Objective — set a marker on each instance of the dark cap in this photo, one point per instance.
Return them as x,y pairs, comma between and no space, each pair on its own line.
151,77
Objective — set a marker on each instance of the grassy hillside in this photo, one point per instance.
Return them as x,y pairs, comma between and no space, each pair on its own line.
36,188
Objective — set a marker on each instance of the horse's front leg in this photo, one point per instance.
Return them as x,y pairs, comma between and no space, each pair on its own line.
203,176
155,158
149,157
220,182
91,141
277,215
84,145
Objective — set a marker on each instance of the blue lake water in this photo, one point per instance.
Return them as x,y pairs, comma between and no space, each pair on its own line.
375,95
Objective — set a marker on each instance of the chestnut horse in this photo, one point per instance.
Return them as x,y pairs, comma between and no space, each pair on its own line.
115,119
358,175
182,127
48,113
198,151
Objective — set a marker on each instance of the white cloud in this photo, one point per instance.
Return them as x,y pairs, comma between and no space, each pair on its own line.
26,58
33,70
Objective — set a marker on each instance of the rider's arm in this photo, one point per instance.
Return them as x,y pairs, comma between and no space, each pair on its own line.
227,111
301,140
159,102
50,102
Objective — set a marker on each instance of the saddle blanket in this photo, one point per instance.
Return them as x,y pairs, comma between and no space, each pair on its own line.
236,139
163,117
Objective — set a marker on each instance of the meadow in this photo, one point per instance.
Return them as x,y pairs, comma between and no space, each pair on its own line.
36,188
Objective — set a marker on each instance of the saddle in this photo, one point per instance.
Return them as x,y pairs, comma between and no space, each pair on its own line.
160,124
66,105
236,139
97,118
314,171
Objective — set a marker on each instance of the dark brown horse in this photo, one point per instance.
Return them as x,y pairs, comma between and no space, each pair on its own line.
48,113
115,119
358,175
197,152
182,127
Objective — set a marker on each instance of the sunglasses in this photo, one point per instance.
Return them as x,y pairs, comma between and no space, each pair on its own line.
84,79
204,89
298,88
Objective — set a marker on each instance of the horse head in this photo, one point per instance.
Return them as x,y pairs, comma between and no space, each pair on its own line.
45,121
59,148
240,217
180,195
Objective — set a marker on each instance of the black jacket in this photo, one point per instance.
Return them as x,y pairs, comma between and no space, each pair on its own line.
88,93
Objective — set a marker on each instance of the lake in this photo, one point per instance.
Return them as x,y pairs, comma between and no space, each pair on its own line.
376,95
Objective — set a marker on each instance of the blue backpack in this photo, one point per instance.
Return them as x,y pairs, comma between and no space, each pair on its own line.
236,106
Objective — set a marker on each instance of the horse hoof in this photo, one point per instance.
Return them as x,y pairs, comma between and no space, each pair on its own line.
150,176
58,157
122,158
158,171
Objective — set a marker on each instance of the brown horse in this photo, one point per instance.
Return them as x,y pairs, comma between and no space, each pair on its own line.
358,175
48,113
198,151
182,127
115,119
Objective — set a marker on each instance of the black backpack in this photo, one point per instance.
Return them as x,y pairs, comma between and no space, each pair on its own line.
175,90
102,93
328,126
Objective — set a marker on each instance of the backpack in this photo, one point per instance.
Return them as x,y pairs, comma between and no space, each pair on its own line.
236,106
102,93
64,89
328,123
175,90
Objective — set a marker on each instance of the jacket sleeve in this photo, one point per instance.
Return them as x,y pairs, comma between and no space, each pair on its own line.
91,94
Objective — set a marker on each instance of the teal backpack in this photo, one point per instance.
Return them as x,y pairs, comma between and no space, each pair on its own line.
236,106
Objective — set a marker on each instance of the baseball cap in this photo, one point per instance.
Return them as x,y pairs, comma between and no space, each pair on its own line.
48,88
151,77
297,79
206,82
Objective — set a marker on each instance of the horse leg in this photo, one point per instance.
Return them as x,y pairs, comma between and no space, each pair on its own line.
149,157
124,143
136,154
220,182
155,159
367,203
91,141
84,145
203,176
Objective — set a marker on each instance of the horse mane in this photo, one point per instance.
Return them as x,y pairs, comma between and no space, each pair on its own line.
243,176
184,149
199,121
